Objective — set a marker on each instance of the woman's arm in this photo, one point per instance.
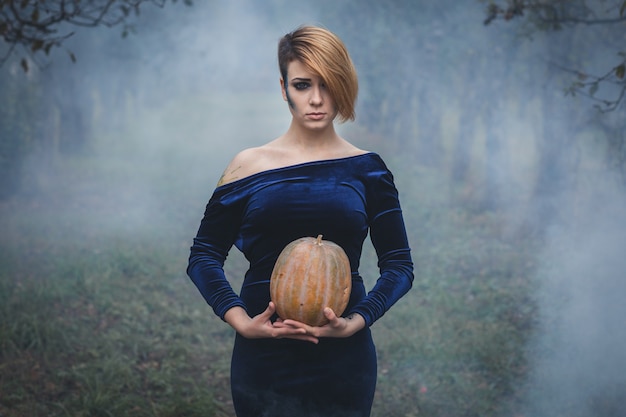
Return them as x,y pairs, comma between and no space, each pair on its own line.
216,235
389,237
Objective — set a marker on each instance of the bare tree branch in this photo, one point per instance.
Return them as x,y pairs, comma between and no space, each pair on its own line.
553,15
36,24
555,12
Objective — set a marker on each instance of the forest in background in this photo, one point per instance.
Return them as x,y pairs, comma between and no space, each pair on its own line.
513,192
436,83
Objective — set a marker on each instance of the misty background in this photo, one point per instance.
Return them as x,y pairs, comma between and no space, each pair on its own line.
126,145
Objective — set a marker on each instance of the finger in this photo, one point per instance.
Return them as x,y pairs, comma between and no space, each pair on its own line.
282,325
269,311
334,321
304,337
295,324
297,333
330,314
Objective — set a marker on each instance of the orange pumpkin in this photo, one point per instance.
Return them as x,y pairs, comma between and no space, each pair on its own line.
309,275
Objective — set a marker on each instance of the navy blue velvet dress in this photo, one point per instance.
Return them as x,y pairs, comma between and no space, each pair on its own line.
342,199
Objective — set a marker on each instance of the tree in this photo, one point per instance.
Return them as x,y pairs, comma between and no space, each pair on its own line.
38,26
607,89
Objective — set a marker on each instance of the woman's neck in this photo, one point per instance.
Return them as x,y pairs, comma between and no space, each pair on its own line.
312,138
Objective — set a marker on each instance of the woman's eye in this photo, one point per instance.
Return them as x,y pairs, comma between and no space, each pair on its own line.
301,85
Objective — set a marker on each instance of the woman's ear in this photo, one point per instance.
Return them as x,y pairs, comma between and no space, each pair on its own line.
283,89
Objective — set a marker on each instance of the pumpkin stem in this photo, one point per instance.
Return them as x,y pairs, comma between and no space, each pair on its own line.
319,240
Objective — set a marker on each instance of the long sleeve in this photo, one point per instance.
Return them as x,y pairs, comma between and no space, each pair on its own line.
388,235
216,235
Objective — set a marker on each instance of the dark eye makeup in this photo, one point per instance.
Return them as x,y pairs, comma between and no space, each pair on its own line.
301,85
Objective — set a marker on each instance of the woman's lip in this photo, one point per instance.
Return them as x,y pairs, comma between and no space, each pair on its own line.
316,115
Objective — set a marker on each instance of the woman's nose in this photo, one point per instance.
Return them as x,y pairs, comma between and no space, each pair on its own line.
316,96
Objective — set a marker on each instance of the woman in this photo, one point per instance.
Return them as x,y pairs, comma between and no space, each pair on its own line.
307,182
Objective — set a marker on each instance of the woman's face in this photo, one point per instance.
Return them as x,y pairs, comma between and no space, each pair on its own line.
309,100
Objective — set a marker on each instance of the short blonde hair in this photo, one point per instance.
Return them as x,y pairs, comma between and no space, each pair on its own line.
324,54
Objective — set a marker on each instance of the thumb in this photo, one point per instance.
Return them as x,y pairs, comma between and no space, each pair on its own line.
271,308
329,313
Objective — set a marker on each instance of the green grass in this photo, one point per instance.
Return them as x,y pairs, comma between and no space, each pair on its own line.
97,316
108,334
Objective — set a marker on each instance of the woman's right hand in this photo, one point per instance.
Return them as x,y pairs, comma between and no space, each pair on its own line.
261,326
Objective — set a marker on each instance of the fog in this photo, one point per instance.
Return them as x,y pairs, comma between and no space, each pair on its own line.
580,360
192,86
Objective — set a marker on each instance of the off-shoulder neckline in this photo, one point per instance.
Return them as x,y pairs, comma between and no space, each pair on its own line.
293,166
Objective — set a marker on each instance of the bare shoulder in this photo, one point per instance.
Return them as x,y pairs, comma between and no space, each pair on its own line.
348,149
245,163
239,167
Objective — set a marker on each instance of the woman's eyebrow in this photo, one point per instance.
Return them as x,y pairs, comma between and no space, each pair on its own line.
300,79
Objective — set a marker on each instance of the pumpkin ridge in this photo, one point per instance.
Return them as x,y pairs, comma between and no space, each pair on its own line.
328,293
307,291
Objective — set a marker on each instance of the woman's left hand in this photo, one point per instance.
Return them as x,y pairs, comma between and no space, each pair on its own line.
336,326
